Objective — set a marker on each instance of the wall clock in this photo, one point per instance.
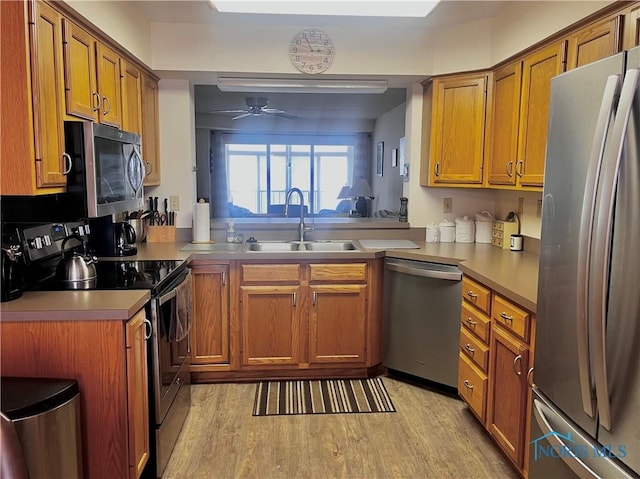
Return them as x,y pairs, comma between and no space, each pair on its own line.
311,51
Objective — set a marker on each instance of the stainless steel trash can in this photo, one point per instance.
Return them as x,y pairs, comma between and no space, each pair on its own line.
46,416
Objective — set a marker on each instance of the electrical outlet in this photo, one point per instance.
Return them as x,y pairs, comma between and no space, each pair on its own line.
520,206
539,209
447,204
174,203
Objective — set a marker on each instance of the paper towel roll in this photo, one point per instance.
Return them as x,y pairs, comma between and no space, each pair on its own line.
201,223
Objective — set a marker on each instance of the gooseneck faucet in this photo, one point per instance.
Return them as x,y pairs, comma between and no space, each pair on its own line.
301,227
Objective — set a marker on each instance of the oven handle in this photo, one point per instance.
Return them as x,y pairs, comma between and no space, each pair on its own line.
172,294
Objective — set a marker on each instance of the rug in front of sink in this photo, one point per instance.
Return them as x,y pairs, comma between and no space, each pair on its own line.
333,396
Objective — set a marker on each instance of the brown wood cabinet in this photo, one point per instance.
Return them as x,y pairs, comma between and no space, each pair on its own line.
270,320
150,131
131,87
108,75
496,358
108,358
537,70
631,26
82,98
458,130
211,329
594,42
33,161
502,125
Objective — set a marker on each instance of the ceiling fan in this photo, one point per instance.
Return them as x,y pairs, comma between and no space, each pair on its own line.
257,106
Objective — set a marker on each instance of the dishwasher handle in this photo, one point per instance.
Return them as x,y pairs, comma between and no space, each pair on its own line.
425,272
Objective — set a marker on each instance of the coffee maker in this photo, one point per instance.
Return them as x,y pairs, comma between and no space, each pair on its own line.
112,238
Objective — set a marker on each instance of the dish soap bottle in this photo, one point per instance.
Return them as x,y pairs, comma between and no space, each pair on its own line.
403,215
231,232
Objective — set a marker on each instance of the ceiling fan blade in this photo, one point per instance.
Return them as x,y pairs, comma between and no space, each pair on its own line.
281,114
244,115
235,112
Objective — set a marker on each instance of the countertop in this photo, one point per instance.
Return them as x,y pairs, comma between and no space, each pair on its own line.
511,274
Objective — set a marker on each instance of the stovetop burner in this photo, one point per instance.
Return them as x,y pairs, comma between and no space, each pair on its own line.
134,274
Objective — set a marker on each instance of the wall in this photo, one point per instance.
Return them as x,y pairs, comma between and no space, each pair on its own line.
122,22
177,147
389,129
530,222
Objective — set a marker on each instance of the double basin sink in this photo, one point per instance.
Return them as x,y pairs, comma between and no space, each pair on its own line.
300,246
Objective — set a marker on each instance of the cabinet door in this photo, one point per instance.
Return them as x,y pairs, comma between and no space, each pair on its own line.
457,130
632,27
594,42
131,88
108,75
210,328
82,99
338,319
150,131
270,322
537,71
502,131
47,84
508,393
137,393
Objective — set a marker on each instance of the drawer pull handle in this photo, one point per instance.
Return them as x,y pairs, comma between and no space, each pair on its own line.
295,299
510,169
437,169
148,329
519,168
467,384
506,317
469,348
516,369
472,295
530,378
471,321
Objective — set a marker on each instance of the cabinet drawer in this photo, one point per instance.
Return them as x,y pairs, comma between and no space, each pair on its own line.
474,349
338,272
472,386
511,317
475,321
476,294
271,272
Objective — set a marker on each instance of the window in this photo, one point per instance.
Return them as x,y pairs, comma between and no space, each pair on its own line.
262,168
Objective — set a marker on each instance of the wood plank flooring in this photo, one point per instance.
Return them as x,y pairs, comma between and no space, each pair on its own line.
431,436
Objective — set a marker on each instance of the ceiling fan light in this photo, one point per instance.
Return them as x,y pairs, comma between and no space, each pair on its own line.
285,85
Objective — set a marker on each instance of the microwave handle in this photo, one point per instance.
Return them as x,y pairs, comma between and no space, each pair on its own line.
136,183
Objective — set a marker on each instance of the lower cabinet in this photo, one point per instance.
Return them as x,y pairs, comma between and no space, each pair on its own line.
108,358
270,322
496,358
257,319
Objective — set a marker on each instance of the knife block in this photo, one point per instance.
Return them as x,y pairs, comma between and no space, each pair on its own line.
161,234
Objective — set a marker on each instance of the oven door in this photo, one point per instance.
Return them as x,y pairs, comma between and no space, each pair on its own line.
171,357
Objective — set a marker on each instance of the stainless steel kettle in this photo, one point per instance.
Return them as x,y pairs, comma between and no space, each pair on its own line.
77,271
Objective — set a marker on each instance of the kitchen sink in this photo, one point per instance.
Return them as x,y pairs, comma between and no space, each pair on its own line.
330,246
273,246
208,247
308,246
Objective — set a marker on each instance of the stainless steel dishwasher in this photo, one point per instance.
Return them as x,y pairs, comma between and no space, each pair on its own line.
422,319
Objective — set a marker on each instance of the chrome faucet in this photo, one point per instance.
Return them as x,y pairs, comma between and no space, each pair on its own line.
301,227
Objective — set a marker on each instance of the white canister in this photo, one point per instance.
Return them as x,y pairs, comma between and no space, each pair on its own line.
465,230
447,231
484,227
433,233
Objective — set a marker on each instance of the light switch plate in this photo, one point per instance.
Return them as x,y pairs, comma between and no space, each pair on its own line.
174,203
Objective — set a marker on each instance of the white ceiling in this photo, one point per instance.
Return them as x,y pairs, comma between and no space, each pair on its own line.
347,106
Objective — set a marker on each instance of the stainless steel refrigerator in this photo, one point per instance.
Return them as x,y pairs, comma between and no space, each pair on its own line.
586,397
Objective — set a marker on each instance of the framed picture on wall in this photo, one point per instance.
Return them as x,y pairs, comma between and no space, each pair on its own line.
379,157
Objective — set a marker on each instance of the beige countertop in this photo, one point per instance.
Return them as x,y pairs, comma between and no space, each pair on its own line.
511,274
75,305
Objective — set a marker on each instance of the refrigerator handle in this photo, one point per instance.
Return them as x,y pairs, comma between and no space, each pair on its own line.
602,247
611,88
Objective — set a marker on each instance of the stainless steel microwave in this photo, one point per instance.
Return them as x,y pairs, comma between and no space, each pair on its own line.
111,165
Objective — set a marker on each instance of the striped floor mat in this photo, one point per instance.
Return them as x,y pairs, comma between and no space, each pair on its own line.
321,397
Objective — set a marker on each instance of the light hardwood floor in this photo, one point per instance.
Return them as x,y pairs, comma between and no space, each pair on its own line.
431,436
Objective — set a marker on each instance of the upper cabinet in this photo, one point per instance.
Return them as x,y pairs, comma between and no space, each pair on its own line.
108,75
457,130
131,87
34,161
594,42
150,133
537,70
631,27
502,125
